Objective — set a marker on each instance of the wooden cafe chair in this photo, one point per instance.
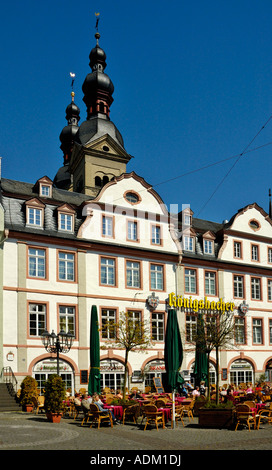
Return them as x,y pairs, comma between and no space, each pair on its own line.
152,415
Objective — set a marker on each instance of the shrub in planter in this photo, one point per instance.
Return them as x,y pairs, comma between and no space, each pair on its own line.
55,394
29,390
199,403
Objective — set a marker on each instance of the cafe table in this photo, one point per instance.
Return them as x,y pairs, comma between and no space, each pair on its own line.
166,414
116,409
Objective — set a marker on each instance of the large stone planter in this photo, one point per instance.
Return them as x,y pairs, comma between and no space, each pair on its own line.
216,418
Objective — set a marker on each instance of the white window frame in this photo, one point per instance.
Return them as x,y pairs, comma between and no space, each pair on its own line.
157,326
156,277
208,247
210,283
238,285
66,222
156,235
132,231
37,262
190,281
188,243
66,261
37,316
107,226
133,274
107,271
255,252
255,285
257,331
34,216
67,317
237,249
108,316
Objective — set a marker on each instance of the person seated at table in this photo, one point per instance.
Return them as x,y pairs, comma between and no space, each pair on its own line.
77,400
85,402
222,391
189,386
249,389
96,400
202,388
183,391
258,387
196,392
135,394
230,396
119,394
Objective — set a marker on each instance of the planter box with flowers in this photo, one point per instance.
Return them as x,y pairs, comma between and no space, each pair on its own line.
216,416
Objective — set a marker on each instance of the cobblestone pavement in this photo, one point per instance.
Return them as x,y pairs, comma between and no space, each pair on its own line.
26,431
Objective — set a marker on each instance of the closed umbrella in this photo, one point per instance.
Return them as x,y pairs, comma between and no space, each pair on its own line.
201,357
94,377
173,356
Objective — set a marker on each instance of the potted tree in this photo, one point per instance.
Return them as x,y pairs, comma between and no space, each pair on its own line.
29,390
54,393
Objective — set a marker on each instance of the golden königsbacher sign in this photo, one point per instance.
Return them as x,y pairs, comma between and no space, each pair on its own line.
196,304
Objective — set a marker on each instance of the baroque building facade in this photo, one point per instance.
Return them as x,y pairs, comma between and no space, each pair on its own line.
96,234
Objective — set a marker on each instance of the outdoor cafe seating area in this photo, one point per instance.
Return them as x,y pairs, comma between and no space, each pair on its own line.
152,409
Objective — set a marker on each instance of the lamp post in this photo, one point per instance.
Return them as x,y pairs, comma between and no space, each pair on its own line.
60,343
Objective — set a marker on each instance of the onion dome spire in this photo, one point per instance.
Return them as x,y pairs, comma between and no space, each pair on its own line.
98,87
68,133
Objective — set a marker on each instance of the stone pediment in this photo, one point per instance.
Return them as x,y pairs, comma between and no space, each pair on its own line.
107,146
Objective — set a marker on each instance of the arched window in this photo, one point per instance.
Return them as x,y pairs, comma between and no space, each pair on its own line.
98,182
105,180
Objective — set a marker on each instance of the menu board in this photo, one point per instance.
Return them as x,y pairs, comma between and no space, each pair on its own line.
158,384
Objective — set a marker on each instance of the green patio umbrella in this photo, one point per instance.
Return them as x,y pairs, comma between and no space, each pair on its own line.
173,355
94,377
201,357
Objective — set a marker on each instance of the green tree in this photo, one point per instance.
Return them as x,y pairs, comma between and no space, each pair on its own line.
218,334
130,333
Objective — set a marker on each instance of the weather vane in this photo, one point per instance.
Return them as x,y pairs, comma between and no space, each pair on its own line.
97,21
72,75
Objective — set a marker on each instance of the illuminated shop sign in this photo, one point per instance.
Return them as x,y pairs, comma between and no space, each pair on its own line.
196,305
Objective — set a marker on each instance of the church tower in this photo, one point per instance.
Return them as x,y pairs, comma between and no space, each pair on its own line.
95,152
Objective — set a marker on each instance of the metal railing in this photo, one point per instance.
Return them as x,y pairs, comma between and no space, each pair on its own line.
7,376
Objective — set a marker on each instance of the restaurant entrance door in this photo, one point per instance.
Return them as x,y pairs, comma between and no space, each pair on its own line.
43,369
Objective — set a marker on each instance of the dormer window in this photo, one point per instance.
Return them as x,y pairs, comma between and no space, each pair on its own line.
44,187
187,215
34,216
188,239
34,213
188,243
66,218
45,190
208,243
66,222
208,247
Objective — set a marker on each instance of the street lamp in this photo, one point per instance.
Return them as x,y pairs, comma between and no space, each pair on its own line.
60,343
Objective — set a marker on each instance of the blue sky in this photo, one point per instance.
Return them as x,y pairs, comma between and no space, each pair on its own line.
193,87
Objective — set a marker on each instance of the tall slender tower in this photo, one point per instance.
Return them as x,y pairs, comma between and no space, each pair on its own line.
98,153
